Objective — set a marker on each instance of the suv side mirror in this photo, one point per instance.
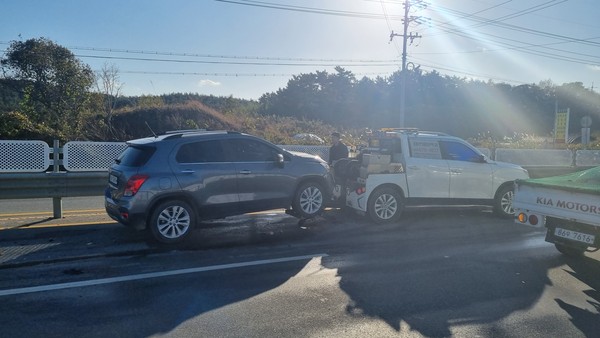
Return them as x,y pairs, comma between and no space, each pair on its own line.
280,161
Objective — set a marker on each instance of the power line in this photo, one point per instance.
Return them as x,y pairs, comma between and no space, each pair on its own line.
237,62
236,57
225,74
525,49
215,56
496,23
304,9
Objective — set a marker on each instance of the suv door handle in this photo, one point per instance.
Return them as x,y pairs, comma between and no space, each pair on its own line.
188,171
245,172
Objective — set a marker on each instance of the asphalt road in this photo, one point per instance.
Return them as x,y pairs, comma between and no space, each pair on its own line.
436,273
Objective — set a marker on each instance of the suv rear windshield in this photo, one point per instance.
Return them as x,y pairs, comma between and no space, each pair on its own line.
135,156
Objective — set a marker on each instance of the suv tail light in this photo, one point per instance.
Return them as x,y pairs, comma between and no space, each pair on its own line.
134,184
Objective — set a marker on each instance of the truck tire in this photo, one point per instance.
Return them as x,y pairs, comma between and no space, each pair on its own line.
569,250
503,202
385,205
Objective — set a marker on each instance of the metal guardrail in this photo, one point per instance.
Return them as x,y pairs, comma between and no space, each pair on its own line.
55,185
51,185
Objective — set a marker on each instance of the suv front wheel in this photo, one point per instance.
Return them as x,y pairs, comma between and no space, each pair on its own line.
309,200
503,202
172,221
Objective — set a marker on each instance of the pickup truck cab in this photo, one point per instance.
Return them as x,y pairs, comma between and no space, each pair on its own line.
402,167
568,206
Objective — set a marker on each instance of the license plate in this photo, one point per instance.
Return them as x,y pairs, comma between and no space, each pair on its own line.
113,179
575,236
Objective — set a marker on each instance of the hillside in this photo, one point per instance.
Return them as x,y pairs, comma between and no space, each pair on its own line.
130,122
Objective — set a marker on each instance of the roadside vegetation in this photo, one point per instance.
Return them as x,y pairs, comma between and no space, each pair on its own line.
46,93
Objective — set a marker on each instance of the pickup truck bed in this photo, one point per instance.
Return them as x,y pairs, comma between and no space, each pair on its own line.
568,206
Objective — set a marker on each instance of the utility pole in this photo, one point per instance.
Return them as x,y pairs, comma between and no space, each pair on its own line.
405,37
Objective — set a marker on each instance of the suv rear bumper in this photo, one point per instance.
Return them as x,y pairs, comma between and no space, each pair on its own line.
123,216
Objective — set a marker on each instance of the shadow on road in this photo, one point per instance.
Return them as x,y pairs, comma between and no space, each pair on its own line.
461,267
587,270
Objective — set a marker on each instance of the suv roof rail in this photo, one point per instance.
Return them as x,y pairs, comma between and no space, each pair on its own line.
414,130
180,133
410,131
437,133
184,131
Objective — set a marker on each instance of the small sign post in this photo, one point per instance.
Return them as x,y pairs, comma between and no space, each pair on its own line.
586,123
561,126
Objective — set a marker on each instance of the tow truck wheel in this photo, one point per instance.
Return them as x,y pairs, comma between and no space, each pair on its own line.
503,203
569,250
385,205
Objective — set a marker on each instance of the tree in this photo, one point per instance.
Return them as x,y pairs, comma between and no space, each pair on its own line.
109,87
56,85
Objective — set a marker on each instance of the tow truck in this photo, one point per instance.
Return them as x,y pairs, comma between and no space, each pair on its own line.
404,167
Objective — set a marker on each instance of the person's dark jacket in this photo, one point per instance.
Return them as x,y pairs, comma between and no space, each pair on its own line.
337,151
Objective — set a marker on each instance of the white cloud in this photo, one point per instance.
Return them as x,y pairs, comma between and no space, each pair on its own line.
595,68
208,83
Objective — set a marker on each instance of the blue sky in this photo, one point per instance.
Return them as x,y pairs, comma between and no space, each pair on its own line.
246,48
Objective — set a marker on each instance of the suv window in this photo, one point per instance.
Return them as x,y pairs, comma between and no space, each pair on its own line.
423,148
135,156
456,151
246,150
201,152
386,145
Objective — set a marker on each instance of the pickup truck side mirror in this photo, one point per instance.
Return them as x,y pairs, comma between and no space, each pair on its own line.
481,159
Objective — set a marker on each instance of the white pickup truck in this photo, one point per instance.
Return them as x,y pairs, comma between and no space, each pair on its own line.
568,206
410,167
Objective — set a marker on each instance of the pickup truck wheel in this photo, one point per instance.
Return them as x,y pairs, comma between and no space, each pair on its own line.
385,205
172,221
503,203
569,250
309,200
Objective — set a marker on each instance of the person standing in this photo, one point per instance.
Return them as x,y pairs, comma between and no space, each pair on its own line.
338,149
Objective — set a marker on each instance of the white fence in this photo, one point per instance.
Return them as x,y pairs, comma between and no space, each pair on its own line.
24,156
536,157
37,156
91,156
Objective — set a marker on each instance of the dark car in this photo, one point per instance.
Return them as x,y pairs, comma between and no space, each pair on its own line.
169,183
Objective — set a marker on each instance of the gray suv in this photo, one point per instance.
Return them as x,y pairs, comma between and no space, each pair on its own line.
169,183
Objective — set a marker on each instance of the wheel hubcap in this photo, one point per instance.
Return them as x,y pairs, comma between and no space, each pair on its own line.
173,222
506,203
311,200
386,206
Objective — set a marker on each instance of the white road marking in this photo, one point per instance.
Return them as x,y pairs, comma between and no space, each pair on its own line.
102,281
